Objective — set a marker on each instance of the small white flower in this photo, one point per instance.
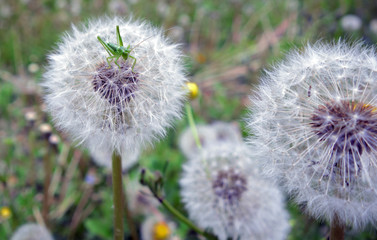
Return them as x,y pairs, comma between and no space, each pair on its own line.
155,227
314,120
116,106
31,231
223,192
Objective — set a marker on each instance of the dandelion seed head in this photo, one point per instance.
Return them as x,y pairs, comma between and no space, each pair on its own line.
115,85
324,152
119,106
223,192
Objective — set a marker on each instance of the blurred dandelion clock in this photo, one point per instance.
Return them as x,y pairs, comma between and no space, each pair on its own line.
125,107
224,193
314,120
32,231
212,134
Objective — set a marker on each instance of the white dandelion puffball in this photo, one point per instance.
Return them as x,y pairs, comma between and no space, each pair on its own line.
209,134
187,143
124,107
314,120
31,231
223,192
227,132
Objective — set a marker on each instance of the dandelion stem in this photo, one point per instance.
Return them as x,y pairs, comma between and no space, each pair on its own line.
118,197
192,125
336,229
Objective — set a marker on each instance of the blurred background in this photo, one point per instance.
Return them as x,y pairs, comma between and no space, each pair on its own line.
227,45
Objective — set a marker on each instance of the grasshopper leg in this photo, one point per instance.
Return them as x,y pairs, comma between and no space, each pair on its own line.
108,59
116,60
133,65
105,46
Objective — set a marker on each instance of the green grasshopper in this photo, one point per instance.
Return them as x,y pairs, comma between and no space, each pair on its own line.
117,50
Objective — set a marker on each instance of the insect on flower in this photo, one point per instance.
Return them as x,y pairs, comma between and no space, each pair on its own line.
108,109
118,50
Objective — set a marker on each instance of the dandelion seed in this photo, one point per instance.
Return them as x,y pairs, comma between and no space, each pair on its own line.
45,130
31,117
351,22
321,147
224,193
33,68
115,108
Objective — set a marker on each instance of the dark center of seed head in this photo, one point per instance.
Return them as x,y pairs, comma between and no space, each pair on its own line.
229,185
116,85
350,129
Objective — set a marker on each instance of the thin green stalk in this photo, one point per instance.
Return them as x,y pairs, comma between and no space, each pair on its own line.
192,125
195,133
185,220
118,197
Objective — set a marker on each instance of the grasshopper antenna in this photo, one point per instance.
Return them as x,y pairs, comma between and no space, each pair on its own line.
149,38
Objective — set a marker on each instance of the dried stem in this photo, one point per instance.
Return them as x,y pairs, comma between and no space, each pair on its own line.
69,174
46,194
77,215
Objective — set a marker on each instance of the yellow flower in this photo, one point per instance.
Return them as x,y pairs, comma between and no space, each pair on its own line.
5,212
161,231
193,90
